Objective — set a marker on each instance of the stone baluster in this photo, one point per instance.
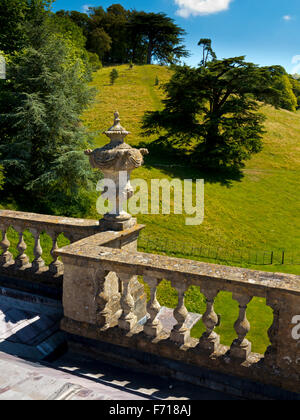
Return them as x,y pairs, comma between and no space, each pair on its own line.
210,340
271,352
107,299
6,257
180,333
241,347
56,267
22,260
128,319
38,262
153,327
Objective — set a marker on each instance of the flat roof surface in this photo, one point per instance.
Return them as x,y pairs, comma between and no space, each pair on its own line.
23,380
29,332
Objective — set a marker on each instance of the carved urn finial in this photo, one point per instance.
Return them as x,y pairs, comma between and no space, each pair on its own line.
117,160
117,133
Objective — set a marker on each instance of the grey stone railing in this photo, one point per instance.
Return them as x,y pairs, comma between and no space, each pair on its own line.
104,302
90,310
73,229
36,224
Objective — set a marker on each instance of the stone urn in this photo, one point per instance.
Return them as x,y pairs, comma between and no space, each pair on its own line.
117,160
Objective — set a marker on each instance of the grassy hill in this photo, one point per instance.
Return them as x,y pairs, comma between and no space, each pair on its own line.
255,215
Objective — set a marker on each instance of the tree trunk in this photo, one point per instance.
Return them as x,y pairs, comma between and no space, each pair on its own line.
150,50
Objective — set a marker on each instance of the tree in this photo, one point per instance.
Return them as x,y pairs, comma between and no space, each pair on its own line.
113,76
296,88
208,53
42,139
100,42
161,36
115,24
118,35
212,112
1,178
62,24
94,61
80,19
287,98
64,28
281,82
13,16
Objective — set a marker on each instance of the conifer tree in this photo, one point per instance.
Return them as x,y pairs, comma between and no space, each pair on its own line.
113,76
42,138
212,111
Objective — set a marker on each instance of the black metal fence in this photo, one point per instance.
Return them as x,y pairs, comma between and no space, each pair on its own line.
238,256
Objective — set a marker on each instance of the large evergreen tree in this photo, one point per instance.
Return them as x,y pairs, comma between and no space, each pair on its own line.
161,36
14,14
211,111
42,139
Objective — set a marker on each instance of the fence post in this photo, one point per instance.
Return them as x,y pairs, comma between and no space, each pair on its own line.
283,257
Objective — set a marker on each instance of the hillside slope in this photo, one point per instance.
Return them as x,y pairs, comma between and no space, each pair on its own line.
259,212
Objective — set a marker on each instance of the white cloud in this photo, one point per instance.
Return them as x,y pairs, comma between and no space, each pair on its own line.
296,59
201,7
287,17
85,8
296,62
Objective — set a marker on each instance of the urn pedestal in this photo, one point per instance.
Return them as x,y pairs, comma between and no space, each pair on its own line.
117,160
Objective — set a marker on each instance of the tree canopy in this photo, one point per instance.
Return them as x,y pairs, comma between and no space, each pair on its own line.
14,15
1,178
160,35
208,53
295,82
42,139
119,36
282,84
211,112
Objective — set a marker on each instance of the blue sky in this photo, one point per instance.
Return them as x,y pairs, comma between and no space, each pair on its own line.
266,31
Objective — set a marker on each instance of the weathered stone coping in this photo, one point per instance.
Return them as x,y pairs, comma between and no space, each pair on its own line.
74,229
175,269
106,238
42,218
79,227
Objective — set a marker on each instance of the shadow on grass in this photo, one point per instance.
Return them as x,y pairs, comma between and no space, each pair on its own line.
178,164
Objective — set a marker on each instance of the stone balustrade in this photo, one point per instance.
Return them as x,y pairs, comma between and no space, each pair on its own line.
106,311
279,366
73,229
36,224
